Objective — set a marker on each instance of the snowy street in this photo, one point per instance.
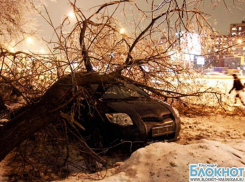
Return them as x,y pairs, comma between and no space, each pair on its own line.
224,83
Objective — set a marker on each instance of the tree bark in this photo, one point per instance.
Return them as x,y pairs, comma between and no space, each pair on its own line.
46,111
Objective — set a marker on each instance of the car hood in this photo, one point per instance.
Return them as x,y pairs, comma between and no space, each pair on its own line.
144,108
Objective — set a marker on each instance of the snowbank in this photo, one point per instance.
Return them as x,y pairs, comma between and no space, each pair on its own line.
169,162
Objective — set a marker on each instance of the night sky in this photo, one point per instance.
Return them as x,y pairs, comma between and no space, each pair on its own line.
59,9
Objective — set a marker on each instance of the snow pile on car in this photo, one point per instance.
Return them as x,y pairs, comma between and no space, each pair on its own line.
170,161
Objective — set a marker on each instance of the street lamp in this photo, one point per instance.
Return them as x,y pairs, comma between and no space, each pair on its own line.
71,15
239,41
29,40
12,49
122,31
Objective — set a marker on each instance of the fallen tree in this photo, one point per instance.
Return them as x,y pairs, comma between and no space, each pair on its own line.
46,111
100,45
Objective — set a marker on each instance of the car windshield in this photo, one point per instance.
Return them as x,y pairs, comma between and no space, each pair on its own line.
126,91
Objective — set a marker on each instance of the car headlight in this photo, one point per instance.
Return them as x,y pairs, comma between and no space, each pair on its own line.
119,118
176,112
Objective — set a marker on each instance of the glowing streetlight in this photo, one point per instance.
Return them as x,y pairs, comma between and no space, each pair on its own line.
29,40
11,49
122,31
71,15
239,41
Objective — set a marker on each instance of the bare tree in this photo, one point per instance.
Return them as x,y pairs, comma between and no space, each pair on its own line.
97,50
16,21
16,25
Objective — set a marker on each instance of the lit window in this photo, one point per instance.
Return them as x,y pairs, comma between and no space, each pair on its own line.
243,48
234,28
240,28
233,33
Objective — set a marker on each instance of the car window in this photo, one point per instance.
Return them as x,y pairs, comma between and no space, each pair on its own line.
140,92
112,93
126,91
129,92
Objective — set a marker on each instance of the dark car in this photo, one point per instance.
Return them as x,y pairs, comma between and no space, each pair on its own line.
124,112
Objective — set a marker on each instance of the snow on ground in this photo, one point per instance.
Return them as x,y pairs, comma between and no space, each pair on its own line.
169,162
220,128
204,139
211,139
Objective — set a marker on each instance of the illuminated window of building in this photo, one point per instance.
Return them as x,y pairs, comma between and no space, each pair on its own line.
233,33
240,28
234,28
243,48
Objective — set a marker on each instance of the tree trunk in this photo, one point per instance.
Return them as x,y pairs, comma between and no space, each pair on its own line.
44,112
